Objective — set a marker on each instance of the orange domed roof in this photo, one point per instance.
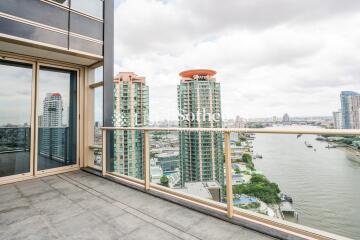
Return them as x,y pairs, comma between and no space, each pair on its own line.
200,72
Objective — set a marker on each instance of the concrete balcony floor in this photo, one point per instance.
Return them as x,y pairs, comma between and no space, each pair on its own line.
79,205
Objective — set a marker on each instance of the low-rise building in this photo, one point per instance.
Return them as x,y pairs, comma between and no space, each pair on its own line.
169,161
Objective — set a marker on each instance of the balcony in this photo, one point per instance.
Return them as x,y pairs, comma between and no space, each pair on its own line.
221,195
106,203
80,205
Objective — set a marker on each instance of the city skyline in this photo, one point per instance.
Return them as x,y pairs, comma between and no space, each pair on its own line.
280,63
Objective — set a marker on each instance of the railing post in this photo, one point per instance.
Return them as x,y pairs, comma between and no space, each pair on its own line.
147,159
229,192
104,152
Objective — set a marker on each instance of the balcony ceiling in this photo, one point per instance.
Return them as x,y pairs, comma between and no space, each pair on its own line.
47,53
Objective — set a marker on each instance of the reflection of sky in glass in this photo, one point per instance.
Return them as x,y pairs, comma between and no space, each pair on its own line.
99,74
98,105
91,7
15,94
55,82
98,96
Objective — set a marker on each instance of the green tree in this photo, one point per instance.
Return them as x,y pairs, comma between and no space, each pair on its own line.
164,180
260,187
237,170
246,157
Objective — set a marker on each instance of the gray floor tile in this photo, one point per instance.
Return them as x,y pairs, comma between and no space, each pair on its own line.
78,205
127,223
150,232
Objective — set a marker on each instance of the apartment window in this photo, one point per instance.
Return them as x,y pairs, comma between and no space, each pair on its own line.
91,7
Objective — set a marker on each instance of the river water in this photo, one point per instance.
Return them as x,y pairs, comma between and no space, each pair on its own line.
324,184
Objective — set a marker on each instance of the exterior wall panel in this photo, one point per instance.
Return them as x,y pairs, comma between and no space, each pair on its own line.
37,11
52,24
86,26
85,45
33,33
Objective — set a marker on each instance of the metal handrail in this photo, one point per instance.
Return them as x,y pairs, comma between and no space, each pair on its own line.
297,230
347,132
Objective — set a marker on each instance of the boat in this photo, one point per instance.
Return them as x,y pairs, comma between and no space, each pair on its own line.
285,198
258,156
308,145
330,146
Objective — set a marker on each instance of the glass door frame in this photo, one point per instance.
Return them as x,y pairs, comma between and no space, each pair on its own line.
81,130
89,91
78,110
27,175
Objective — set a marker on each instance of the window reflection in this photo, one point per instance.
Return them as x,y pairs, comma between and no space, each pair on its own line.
91,7
15,117
98,115
57,118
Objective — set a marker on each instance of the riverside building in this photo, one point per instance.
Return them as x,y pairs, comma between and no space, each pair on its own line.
350,104
337,118
199,105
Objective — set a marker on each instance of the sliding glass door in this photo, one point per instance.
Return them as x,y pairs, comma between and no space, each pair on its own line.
57,118
16,80
39,118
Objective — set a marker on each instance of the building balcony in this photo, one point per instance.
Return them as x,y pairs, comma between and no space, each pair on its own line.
209,186
101,202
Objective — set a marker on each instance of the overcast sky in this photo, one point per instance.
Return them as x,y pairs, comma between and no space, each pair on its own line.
272,56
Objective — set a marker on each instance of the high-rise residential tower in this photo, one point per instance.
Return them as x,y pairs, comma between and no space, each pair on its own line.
131,109
51,126
199,105
350,104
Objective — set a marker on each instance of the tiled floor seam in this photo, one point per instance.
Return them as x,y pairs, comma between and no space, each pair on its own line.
41,215
136,212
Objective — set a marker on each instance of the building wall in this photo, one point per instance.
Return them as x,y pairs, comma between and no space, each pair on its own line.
201,154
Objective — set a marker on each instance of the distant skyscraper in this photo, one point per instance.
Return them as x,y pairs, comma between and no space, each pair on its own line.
350,104
337,118
52,110
286,118
239,122
199,105
51,126
131,109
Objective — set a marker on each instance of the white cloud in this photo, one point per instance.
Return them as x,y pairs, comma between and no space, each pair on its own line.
271,56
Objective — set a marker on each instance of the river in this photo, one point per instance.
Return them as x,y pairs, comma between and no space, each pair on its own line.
324,184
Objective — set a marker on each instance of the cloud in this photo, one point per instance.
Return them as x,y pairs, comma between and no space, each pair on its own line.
271,56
